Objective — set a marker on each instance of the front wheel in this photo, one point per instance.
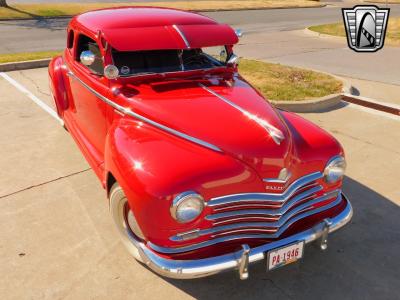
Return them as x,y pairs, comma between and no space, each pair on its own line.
124,220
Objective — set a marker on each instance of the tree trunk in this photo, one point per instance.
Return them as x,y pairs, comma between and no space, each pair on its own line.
3,3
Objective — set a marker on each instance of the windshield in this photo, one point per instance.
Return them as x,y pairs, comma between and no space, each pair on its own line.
161,61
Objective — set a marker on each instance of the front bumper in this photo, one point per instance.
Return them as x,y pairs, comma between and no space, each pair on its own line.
239,260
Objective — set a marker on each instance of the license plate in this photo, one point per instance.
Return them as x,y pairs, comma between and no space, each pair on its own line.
285,255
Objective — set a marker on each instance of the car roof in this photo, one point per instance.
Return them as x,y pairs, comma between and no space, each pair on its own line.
154,28
134,17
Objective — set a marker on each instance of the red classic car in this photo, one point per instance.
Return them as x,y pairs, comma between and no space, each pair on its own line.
202,173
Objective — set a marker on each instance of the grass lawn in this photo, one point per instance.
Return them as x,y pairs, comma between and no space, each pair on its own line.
337,29
278,82
62,9
14,57
274,81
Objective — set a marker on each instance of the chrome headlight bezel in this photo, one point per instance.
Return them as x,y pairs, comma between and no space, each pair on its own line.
335,169
184,200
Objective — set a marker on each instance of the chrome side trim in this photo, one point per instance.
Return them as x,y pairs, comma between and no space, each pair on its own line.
274,132
184,269
277,228
269,212
182,36
131,113
267,197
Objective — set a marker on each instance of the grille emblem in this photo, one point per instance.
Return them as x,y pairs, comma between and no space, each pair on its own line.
274,188
282,181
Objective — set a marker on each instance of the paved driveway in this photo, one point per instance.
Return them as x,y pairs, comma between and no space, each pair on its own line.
57,240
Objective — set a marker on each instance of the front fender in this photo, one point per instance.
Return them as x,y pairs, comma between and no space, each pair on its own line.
57,84
153,167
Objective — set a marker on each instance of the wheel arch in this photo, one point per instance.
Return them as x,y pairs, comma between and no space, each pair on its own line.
110,181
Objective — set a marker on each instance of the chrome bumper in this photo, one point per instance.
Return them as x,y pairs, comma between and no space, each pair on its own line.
186,269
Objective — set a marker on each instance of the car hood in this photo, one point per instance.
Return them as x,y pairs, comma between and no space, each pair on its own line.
228,114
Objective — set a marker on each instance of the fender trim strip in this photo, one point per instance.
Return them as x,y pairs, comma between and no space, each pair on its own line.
133,114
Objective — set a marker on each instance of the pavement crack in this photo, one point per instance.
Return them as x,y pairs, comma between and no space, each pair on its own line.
44,183
34,83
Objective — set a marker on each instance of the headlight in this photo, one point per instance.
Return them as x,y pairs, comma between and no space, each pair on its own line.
334,170
187,206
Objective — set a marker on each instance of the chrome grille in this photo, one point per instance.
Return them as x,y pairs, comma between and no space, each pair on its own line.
259,215
266,213
271,227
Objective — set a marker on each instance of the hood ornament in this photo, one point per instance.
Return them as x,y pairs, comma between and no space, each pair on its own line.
276,134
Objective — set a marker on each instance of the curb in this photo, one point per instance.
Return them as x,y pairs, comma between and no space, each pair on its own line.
308,31
194,10
315,105
307,106
389,108
23,65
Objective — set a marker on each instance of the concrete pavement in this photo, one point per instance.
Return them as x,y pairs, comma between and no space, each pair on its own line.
57,240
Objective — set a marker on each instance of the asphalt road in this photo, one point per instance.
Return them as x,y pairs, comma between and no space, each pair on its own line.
273,35
37,35
57,240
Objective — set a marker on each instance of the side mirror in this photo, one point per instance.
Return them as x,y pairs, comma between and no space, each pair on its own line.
239,33
87,57
233,61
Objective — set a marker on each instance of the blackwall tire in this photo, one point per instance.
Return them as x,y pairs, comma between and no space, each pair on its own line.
118,209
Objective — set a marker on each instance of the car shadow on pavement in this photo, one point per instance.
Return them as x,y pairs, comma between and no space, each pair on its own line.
361,261
39,22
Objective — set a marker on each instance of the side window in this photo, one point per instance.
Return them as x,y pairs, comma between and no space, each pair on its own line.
70,42
87,44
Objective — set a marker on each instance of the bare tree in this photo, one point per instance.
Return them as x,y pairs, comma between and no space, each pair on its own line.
3,3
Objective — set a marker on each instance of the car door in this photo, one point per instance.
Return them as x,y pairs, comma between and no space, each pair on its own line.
89,114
